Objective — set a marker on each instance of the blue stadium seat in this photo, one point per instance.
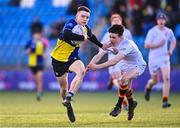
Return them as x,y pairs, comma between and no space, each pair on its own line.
177,30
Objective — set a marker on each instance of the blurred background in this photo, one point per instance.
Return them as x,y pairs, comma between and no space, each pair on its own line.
20,18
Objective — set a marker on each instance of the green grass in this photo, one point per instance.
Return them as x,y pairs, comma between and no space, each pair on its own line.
21,109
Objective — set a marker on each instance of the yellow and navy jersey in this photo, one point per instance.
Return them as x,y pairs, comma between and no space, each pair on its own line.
36,55
65,50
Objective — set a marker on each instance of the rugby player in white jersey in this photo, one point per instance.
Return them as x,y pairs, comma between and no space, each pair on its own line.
159,57
115,19
132,65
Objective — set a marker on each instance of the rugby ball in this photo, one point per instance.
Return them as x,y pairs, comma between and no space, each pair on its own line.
78,29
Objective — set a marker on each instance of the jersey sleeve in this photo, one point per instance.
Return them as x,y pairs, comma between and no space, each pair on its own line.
28,45
171,36
103,51
92,37
89,32
68,35
129,35
69,25
125,50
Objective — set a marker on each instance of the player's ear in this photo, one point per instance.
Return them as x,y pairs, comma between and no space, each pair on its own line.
77,14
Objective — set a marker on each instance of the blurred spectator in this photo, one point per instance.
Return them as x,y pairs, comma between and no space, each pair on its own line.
14,2
56,28
154,3
149,18
171,21
136,8
120,7
72,8
138,16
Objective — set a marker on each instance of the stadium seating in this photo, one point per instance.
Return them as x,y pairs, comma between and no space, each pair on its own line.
15,27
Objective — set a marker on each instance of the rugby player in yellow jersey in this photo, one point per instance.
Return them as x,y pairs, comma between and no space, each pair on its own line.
65,57
36,49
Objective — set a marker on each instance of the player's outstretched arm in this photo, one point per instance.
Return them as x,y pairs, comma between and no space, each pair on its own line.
68,35
94,40
98,56
108,63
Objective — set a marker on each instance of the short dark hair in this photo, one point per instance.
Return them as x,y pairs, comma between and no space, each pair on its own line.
117,29
83,8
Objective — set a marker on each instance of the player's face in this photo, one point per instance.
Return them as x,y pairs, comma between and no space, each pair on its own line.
82,17
116,21
37,36
161,22
114,38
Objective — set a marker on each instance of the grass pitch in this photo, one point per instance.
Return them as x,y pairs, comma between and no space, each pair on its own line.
20,109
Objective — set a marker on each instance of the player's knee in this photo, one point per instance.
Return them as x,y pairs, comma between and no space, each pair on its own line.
81,73
166,79
63,85
154,81
123,81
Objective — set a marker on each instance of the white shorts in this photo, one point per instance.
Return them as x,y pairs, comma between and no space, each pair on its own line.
154,66
122,68
113,69
127,67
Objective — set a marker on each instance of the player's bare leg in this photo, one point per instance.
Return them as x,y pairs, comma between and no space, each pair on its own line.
78,68
63,82
166,85
38,82
151,82
63,91
110,83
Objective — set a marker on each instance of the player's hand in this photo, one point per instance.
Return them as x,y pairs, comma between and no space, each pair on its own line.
87,68
91,67
114,50
85,36
170,52
162,42
106,45
28,51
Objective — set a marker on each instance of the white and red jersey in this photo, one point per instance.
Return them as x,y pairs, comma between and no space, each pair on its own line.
133,57
131,52
127,34
154,36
